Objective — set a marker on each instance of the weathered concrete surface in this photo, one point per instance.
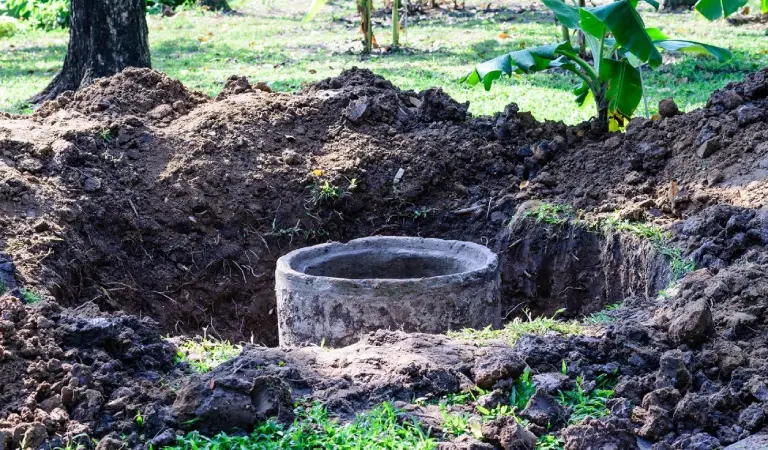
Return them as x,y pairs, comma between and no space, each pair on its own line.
335,293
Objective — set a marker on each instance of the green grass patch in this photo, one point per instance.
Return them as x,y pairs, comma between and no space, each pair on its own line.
551,213
518,327
267,42
381,428
206,354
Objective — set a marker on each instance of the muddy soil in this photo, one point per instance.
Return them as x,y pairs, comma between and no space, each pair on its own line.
137,195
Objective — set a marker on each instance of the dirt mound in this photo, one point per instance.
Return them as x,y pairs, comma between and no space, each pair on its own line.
132,91
65,373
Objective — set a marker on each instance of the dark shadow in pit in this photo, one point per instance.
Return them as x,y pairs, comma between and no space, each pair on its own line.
545,268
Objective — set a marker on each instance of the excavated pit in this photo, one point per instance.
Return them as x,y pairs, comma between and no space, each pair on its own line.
335,293
570,268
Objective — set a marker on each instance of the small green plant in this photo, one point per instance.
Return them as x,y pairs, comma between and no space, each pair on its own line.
522,390
549,442
678,265
422,213
603,316
518,327
564,367
324,192
139,419
619,45
105,135
29,296
641,230
591,404
454,423
494,413
206,354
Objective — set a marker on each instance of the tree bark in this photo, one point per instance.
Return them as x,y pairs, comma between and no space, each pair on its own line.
671,5
105,37
215,5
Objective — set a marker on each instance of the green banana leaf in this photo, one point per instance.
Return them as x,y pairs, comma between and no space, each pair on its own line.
674,45
566,14
717,9
625,87
529,60
662,41
764,6
623,21
653,3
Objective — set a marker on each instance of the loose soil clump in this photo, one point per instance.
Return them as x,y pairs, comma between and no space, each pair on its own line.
137,195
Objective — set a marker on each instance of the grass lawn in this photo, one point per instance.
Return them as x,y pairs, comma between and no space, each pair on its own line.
266,41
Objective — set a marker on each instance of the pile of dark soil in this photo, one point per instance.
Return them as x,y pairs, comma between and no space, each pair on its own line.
67,374
137,195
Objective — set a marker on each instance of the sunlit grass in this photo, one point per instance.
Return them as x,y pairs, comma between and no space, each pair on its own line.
267,42
205,355
519,327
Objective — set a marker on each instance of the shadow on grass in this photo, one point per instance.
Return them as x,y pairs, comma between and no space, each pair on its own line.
27,61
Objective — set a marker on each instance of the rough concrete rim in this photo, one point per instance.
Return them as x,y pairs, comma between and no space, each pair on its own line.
487,263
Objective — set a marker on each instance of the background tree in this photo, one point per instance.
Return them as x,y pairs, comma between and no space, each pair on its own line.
215,5
105,36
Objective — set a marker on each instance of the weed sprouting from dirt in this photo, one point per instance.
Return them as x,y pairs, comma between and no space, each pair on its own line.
603,316
522,390
454,423
550,442
324,192
592,404
206,354
29,296
422,213
105,134
518,327
381,428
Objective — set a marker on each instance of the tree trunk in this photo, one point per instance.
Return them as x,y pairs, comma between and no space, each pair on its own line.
214,5
395,24
105,37
671,5
366,27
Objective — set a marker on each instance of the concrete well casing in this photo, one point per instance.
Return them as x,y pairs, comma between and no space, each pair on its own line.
334,293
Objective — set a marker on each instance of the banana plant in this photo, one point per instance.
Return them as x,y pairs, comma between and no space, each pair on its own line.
718,9
619,45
